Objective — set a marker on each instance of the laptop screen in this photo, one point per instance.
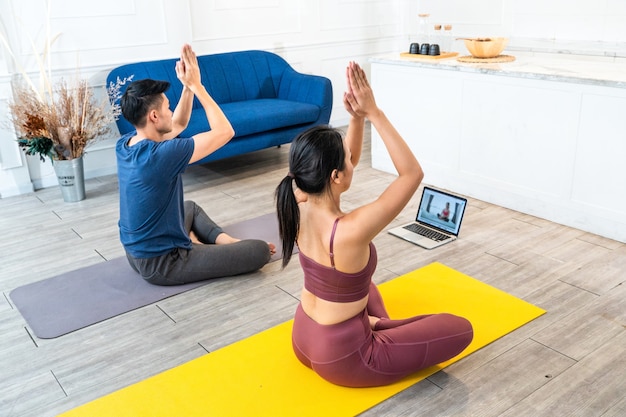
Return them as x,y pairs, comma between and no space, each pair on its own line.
441,210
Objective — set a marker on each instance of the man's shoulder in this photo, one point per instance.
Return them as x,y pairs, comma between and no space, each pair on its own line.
153,152
184,144
124,138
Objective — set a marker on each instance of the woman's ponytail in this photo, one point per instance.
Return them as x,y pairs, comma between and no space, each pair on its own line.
288,216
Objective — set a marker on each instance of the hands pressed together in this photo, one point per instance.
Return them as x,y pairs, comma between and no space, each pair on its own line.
187,69
359,98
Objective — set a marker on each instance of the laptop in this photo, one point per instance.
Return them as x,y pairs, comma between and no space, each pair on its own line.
438,220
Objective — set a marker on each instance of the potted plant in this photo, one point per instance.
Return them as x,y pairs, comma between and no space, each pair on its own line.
60,123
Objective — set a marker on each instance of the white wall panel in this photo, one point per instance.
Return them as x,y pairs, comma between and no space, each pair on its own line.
83,30
616,7
218,20
568,20
344,14
470,12
615,29
14,175
245,4
560,20
85,9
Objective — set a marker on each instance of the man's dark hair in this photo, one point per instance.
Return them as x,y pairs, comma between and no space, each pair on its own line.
140,97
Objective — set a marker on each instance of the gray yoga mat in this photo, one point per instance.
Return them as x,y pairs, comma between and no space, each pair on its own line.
76,299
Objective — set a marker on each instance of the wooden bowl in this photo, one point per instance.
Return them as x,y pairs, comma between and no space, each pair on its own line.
486,47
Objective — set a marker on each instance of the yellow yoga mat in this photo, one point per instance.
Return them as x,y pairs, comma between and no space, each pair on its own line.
260,376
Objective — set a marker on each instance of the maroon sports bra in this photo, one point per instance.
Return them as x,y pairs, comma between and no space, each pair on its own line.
332,285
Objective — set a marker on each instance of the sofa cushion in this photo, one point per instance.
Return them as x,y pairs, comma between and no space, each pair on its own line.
255,116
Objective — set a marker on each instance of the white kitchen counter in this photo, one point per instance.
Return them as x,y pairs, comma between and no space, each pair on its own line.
543,135
607,71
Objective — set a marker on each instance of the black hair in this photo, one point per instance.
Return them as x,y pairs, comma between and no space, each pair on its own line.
140,97
313,156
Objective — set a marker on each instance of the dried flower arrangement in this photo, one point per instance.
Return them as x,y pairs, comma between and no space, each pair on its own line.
61,124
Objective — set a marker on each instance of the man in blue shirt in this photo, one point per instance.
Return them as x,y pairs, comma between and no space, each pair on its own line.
167,240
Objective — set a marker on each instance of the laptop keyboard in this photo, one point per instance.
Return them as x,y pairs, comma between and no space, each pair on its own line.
424,231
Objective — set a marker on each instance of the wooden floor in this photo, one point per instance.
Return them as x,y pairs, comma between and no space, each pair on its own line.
569,362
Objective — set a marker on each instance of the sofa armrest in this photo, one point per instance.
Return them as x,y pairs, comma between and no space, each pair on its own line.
307,88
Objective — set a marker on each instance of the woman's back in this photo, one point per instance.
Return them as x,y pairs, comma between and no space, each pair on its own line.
325,266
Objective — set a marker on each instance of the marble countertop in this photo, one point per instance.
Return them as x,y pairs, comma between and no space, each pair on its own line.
603,70
588,48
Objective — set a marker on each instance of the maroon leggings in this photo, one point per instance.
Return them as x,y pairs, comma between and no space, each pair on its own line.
351,354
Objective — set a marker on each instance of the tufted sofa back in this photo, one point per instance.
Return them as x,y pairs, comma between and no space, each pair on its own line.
229,77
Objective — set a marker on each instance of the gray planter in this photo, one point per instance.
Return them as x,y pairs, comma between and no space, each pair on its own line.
71,179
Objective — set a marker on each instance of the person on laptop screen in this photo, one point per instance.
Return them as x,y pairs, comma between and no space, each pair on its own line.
445,213
341,328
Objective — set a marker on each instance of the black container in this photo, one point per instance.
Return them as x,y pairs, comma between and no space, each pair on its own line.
424,49
414,48
434,50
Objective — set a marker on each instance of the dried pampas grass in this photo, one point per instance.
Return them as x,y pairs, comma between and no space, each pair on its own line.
71,119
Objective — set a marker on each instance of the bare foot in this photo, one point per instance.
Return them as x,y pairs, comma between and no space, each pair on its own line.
225,239
194,238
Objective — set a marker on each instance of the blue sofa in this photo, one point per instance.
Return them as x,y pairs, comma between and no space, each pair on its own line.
267,102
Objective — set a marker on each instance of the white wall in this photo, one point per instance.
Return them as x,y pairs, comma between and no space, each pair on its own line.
314,36
317,37
560,20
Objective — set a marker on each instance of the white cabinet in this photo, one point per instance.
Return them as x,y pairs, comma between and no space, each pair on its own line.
553,149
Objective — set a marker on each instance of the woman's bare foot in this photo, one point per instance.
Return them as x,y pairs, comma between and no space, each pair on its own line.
272,248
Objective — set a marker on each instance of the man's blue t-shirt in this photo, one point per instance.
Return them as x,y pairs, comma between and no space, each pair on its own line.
151,195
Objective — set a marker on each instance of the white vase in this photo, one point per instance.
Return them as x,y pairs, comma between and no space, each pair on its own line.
71,179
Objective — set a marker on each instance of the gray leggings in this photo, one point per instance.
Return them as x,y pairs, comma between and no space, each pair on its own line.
202,261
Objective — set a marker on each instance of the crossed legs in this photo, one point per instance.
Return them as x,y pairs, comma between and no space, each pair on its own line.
214,254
